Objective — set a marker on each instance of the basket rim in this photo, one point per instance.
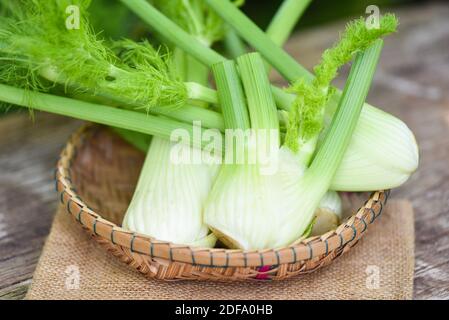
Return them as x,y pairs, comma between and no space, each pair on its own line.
347,234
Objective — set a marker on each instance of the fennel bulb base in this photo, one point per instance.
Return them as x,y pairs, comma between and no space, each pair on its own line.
226,240
325,221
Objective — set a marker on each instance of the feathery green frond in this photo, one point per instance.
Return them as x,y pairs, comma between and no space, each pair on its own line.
37,51
306,116
356,38
195,17
147,74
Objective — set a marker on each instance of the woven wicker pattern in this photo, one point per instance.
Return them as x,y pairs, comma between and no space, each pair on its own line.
96,190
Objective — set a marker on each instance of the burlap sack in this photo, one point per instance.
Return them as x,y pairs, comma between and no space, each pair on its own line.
73,266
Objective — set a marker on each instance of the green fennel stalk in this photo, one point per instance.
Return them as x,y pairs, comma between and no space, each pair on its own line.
366,171
174,34
234,45
308,110
277,57
359,169
279,29
39,52
179,37
285,19
110,116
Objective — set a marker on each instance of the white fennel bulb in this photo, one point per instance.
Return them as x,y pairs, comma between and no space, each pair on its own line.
252,209
169,197
383,154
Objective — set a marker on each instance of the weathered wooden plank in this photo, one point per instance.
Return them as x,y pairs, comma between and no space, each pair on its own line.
28,153
16,292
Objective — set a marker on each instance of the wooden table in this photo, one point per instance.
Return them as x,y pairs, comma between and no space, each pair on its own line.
412,83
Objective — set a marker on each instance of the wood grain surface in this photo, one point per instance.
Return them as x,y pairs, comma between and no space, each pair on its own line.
412,83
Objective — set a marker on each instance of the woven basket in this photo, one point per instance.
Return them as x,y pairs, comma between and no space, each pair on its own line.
96,176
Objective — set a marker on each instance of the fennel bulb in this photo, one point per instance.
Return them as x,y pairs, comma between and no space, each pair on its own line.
251,210
169,197
383,154
329,214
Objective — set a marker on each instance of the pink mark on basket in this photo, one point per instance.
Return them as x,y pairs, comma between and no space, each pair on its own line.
263,276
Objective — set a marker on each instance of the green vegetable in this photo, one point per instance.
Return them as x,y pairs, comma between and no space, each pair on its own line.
285,19
234,45
363,167
370,167
195,17
39,52
308,110
174,34
370,115
236,202
385,164
253,210
110,116
277,57
140,141
168,201
285,152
